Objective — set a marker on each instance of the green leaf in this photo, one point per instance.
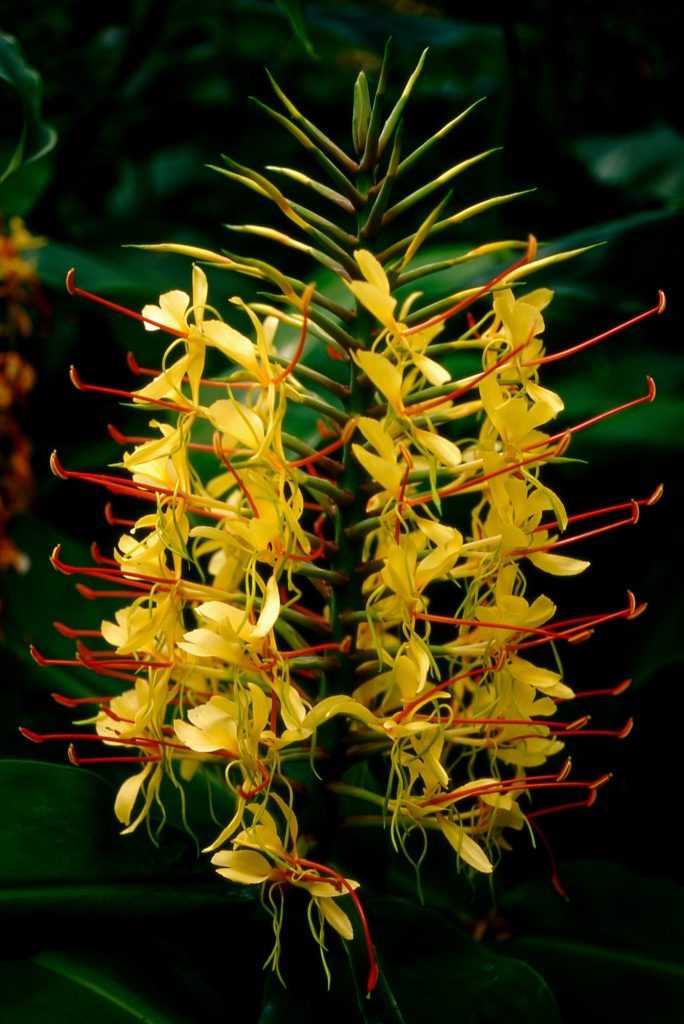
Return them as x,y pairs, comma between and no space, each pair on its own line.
59,987
74,807
430,967
34,137
610,934
649,165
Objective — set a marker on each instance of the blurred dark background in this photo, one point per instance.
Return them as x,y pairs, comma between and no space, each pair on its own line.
585,100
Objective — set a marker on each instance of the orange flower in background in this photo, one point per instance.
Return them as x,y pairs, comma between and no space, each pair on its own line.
20,300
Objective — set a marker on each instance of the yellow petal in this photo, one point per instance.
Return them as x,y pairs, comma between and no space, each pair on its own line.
372,270
384,374
245,866
233,344
388,474
237,422
546,397
541,678
336,918
444,450
375,434
128,794
199,292
376,302
203,643
270,609
431,370
170,311
466,847
558,565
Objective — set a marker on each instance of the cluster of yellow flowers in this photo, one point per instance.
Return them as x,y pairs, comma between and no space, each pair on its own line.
362,599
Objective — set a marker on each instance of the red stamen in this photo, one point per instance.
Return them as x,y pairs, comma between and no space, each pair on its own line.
516,785
131,489
342,881
606,510
93,595
588,801
291,366
74,290
452,396
128,741
648,397
472,325
102,670
629,521
101,559
600,337
611,691
73,633
114,520
441,317
446,492
555,876
74,702
449,621
619,734
132,578
129,395
310,459
122,438
78,761
247,794
144,371
408,708
344,646
221,455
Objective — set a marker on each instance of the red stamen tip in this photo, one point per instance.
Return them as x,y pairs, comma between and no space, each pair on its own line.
75,378
73,756
565,770
37,656
133,364
656,496
67,702
56,466
56,561
621,687
601,781
28,734
116,434
69,282
662,301
626,729
651,388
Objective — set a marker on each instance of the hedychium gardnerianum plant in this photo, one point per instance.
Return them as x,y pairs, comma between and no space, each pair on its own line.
364,596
